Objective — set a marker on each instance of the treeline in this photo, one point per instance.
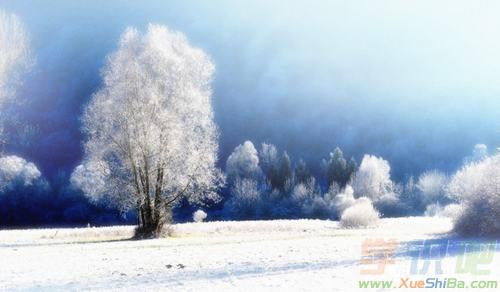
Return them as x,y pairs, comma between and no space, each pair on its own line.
267,184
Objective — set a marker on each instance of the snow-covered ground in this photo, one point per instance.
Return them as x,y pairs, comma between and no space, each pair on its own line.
293,255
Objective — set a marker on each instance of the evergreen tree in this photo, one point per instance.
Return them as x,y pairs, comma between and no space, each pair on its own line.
337,168
352,167
281,173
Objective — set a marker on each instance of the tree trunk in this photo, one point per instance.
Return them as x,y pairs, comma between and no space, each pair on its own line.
153,211
152,223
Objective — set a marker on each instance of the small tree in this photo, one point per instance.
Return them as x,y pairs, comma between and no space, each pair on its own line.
432,187
245,199
243,163
373,178
150,130
268,155
270,163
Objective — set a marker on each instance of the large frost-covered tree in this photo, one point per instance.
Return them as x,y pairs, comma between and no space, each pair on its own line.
15,59
150,130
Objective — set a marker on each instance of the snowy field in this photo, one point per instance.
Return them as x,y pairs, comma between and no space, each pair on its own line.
290,255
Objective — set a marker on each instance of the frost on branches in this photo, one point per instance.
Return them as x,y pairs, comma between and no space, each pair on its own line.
15,59
477,187
16,170
150,129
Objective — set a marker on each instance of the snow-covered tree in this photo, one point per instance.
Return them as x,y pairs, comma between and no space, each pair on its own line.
268,155
432,186
15,59
271,164
373,179
245,199
477,187
92,178
303,191
151,128
352,167
284,174
409,190
302,172
243,162
15,170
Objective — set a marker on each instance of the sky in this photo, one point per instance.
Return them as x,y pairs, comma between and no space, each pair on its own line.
415,82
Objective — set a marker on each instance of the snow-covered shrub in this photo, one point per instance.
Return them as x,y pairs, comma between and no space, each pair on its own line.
199,216
433,210
451,211
477,187
390,205
344,200
15,170
318,207
361,214
436,210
